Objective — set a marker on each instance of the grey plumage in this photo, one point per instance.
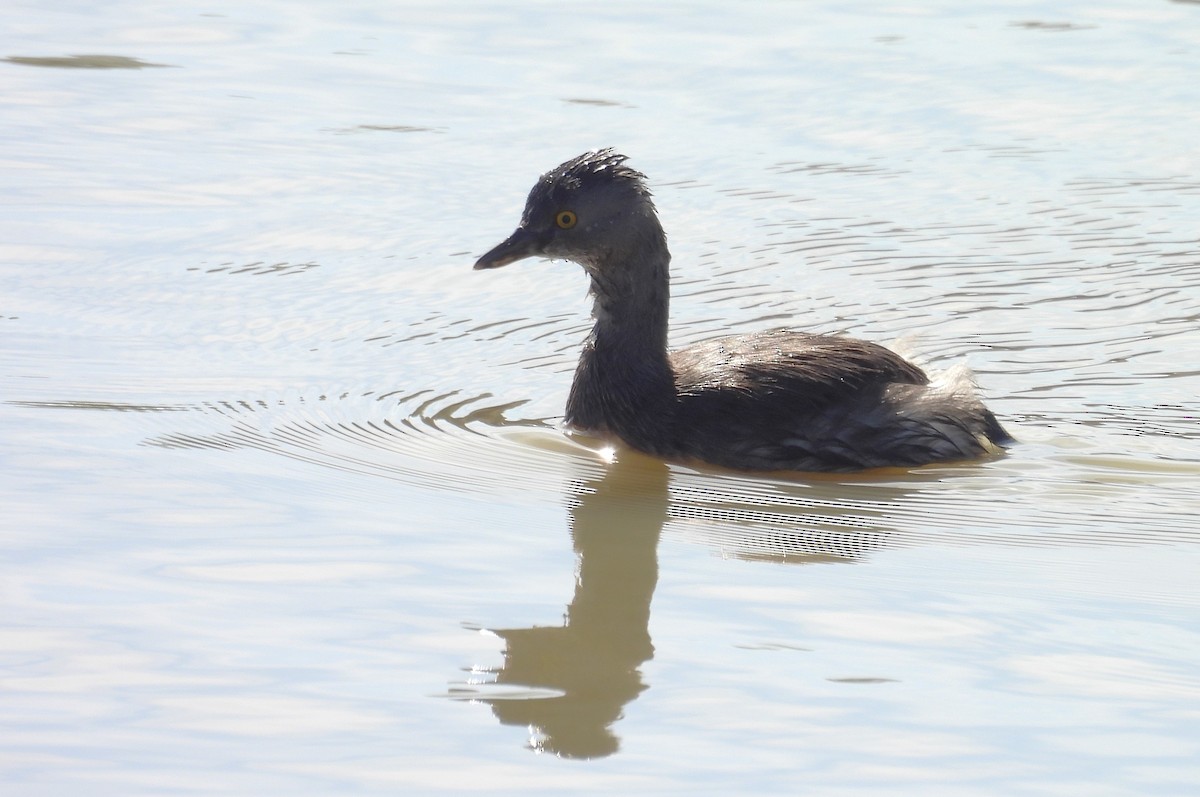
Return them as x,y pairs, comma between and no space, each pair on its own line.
776,400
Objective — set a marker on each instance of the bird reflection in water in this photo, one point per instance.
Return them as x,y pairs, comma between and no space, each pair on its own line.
569,684
591,663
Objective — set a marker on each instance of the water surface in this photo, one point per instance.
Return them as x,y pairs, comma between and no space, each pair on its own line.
286,504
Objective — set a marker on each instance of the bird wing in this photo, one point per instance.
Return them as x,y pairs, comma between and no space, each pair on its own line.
789,400
796,370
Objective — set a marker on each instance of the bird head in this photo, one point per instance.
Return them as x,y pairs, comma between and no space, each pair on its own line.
585,210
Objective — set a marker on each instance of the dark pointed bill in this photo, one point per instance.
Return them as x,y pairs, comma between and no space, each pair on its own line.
518,246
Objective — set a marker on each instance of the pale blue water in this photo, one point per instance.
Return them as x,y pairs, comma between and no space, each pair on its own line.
284,504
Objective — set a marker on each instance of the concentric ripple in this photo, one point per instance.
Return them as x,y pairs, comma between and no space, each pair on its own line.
446,441
434,440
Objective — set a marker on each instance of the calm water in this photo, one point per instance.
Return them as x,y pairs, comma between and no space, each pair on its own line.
285,505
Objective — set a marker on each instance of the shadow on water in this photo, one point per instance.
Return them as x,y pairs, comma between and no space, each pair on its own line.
93,61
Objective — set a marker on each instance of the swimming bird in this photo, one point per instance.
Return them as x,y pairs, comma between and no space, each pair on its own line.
765,401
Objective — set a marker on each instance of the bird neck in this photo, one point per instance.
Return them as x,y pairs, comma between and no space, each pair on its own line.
631,294
624,384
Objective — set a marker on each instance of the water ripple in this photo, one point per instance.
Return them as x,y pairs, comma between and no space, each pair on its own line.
447,441
435,440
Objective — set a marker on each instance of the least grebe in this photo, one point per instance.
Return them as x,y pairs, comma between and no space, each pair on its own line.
776,400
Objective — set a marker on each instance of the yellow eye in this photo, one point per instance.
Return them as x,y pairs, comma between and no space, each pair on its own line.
565,219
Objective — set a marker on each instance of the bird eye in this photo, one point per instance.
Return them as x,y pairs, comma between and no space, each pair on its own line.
565,219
